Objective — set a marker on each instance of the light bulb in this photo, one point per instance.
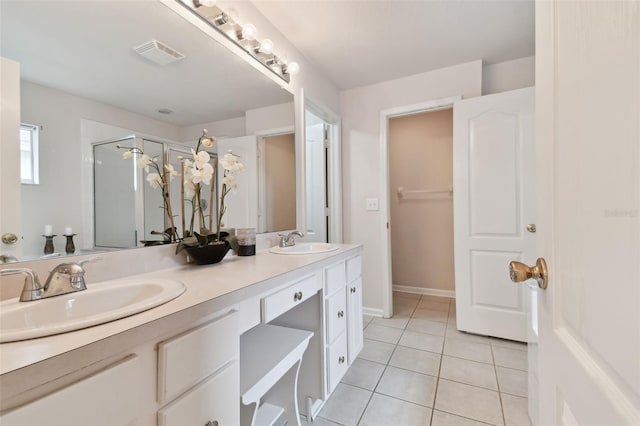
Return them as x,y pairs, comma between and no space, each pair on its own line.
266,46
207,3
233,15
292,68
249,32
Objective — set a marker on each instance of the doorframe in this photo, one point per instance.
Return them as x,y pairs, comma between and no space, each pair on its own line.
385,116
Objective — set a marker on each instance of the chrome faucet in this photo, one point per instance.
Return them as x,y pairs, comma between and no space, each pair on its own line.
287,240
65,278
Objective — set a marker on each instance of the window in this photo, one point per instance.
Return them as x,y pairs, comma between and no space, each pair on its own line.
29,170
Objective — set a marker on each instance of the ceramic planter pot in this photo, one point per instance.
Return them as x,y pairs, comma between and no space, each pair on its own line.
207,255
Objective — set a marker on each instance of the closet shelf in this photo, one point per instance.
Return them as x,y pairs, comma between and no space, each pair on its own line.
416,194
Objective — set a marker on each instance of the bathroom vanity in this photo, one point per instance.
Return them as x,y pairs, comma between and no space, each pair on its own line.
189,361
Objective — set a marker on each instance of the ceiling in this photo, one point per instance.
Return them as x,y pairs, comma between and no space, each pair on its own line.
86,49
361,42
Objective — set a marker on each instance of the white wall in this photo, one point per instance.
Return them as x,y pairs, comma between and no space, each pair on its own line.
360,110
271,117
231,128
509,75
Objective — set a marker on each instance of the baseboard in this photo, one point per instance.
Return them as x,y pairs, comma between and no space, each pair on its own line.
373,312
425,291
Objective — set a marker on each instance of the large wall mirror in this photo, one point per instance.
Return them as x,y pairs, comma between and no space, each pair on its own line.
83,84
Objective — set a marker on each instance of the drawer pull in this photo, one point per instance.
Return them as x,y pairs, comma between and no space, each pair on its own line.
340,314
341,360
212,423
352,289
297,296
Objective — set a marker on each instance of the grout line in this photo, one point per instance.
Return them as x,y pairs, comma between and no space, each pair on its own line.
435,392
495,369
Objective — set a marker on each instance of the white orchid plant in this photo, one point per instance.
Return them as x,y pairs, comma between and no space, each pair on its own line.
196,173
158,178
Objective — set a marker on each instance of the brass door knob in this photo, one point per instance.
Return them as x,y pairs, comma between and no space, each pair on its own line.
520,272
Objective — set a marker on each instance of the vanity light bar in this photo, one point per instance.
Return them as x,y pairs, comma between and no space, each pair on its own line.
243,36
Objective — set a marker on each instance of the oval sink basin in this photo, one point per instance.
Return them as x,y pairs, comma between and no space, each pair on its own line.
304,248
73,311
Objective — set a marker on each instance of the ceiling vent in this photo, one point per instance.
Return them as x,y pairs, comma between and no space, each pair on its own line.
158,52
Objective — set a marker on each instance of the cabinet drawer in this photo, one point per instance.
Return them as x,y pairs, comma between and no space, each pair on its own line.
336,314
354,268
280,302
336,362
334,277
186,359
215,399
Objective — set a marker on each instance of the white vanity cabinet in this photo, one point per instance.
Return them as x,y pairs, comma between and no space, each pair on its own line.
198,371
96,400
343,318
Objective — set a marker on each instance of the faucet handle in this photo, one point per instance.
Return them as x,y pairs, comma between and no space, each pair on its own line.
32,289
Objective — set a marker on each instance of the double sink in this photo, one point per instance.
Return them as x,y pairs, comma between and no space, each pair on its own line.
102,303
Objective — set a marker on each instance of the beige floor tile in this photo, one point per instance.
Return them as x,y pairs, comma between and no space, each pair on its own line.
318,421
363,374
454,333
403,312
510,358
394,322
416,360
366,319
469,372
422,341
439,299
386,411
346,404
468,350
512,381
434,306
376,351
440,418
511,344
516,410
408,386
382,333
403,295
430,314
426,326
469,401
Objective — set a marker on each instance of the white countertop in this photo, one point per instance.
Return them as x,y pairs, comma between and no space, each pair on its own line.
203,283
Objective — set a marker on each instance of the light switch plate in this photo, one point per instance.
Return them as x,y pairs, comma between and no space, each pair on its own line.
372,204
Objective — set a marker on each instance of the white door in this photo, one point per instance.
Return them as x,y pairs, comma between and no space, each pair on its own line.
315,180
588,204
241,203
493,182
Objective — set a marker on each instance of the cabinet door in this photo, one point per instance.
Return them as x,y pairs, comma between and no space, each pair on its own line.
354,318
107,398
336,308
216,400
336,362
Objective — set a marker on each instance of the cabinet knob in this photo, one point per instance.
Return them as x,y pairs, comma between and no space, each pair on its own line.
297,296
353,290
340,314
211,423
341,360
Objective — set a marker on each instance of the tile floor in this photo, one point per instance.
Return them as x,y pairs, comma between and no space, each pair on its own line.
418,369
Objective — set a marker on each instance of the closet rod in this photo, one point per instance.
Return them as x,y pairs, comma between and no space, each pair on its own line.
422,193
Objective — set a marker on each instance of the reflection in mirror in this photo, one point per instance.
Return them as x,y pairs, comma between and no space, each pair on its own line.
84,84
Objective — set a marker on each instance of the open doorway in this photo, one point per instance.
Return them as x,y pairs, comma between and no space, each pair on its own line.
386,190
421,202
323,194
